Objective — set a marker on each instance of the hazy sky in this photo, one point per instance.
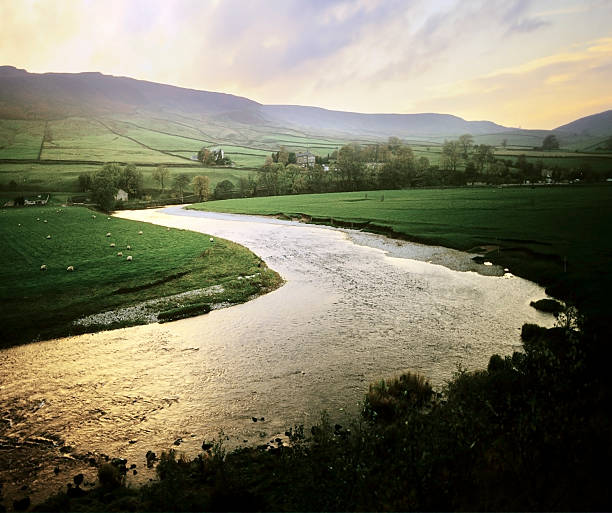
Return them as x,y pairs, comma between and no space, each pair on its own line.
535,64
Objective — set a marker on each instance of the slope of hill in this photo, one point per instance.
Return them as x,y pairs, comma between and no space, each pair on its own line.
402,125
48,96
595,125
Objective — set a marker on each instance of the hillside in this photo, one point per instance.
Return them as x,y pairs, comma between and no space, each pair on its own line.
594,125
50,96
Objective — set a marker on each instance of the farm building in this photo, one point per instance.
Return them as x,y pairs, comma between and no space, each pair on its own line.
121,195
305,159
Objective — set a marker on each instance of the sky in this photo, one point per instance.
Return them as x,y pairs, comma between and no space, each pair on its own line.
519,63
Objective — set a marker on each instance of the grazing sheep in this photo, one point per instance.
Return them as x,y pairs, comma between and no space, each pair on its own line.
93,217
120,253
129,247
48,236
129,258
38,218
140,232
19,224
212,240
108,218
45,221
112,244
43,267
70,268
168,229
108,234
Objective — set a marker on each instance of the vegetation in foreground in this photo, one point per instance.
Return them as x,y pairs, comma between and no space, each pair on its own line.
529,433
44,302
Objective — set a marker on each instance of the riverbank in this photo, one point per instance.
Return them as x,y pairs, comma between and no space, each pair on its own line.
69,270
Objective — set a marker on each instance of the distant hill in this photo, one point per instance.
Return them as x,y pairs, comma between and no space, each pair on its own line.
26,95
595,125
51,96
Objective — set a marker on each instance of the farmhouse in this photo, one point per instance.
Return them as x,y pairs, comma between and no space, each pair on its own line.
305,159
121,195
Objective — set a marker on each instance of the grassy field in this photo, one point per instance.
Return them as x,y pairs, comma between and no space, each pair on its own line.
20,139
557,236
44,304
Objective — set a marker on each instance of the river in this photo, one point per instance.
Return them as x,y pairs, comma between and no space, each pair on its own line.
355,308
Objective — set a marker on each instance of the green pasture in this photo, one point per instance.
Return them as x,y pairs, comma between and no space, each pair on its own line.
43,304
558,236
20,139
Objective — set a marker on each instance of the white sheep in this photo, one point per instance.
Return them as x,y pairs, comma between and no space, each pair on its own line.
108,218
120,253
43,267
38,218
129,247
112,244
212,240
70,268
140,232
19,224
48,236
45,221
108,234
129,258
93,217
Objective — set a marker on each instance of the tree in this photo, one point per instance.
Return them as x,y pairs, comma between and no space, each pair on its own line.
201,186
84,182
451,153
130,180
608,143
206,157
224,190
483,154
283,156
181,181
466,142
161,175
104,186
550,142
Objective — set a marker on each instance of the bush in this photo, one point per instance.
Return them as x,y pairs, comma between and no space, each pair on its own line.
109,476
397,397
547,305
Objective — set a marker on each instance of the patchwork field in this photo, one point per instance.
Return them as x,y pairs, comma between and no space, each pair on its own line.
37,304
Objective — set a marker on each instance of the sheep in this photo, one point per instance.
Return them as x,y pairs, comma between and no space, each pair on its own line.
108,234
48,236
168,229
38,218
140,232
120,253
112,244
129,258
93,216
212,240
43,267
129,247
70,268
19,224
45,221
108,218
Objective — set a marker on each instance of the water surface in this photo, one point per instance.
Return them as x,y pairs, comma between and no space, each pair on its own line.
355,308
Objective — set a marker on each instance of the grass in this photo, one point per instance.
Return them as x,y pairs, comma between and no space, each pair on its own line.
44,304
20,139
557,236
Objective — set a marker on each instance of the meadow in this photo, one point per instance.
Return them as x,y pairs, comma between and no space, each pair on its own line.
557,236
39,304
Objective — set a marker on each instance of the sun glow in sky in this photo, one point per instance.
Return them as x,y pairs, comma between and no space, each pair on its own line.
535,64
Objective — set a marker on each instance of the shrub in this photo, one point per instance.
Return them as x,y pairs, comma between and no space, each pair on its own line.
109,476
397,397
